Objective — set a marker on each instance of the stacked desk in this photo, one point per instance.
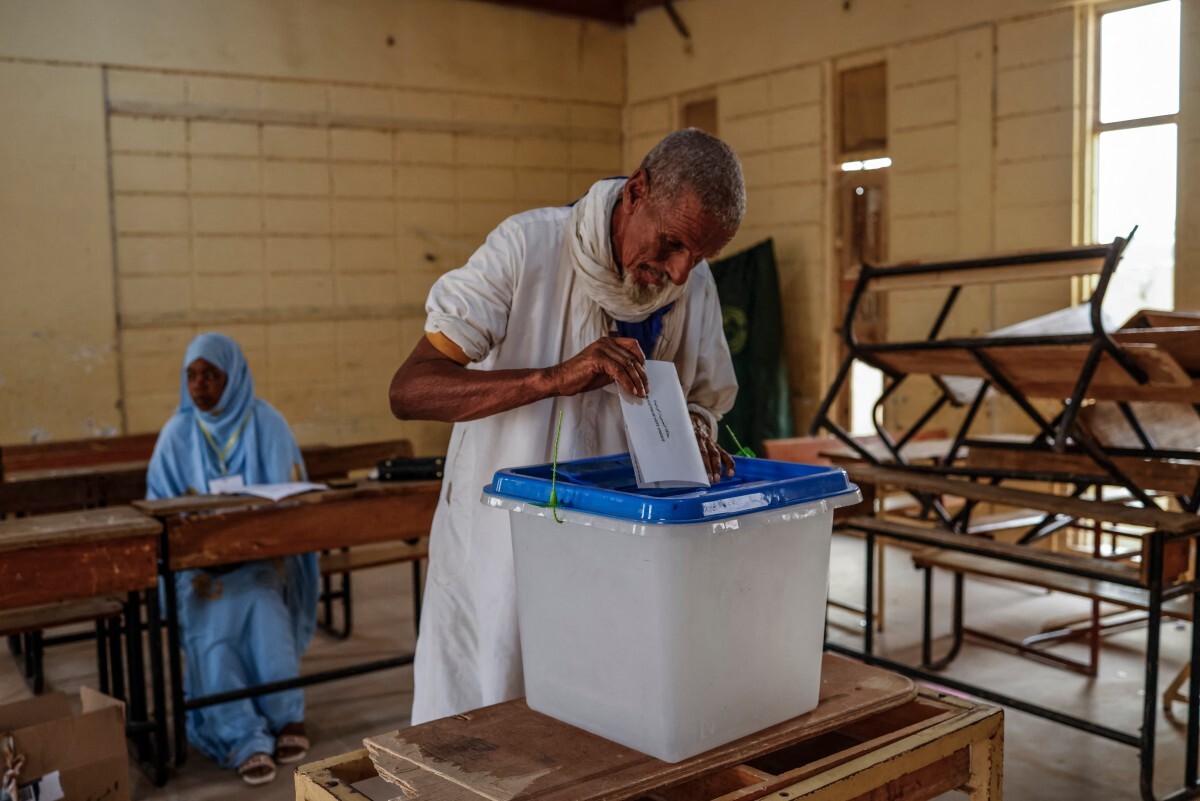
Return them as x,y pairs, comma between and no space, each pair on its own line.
1105,410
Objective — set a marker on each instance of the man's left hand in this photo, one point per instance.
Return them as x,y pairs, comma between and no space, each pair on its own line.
717,462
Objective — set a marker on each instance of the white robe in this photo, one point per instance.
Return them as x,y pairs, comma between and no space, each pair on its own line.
509,307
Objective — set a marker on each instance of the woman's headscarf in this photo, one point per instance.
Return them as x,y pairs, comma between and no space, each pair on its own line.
262,452
236,401
241,434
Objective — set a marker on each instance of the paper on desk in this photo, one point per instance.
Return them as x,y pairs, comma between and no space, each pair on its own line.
275,492
662,443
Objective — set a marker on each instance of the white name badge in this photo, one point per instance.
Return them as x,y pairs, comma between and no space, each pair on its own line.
225,485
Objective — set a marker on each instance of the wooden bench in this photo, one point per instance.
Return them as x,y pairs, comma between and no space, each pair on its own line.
85,474
1096,590
345,561
24,627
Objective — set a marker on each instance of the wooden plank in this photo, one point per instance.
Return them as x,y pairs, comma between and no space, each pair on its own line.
367,556
926,782
1050,371
508,752
867,735
1150,474
915,452
60,613
43,485
1170,426
931,361
325,462
967,723
980,730
85,526
956,561
1152,318
718,784
940,537
1132,597
1041,271
1182,343
83,570
76,453
1106,511
372,512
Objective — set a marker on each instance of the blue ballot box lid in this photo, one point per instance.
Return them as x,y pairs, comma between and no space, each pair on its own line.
606,486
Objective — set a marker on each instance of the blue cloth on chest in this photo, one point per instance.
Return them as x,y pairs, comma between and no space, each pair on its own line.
647,331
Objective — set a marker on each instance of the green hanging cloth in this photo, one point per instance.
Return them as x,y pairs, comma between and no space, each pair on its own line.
748,286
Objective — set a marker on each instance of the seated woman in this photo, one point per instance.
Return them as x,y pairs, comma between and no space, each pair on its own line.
247,623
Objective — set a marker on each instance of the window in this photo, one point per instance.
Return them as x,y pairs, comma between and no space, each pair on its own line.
862,109
861,196
1135,151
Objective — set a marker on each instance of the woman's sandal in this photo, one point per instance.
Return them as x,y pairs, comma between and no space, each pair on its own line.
291,744
257,769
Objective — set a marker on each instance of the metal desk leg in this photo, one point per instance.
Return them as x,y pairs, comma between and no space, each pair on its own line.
133,654
869,597
1150,687
102,660
158,692
174,653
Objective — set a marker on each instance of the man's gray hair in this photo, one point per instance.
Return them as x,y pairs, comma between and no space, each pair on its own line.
691,160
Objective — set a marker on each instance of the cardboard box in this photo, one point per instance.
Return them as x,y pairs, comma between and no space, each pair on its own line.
76,745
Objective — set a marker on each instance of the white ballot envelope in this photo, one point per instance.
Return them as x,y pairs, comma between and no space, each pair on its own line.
662,443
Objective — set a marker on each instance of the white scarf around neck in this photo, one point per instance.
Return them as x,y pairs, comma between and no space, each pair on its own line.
590,249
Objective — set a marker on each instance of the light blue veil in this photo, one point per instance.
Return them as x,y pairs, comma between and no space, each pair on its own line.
261,449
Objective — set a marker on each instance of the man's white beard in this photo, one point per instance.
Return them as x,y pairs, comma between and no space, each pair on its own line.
642,293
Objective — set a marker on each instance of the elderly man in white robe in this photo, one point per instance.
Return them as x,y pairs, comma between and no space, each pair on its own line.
556,309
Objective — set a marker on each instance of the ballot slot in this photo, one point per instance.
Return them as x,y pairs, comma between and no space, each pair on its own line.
607,485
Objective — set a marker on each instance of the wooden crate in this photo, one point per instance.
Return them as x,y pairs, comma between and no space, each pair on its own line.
914,752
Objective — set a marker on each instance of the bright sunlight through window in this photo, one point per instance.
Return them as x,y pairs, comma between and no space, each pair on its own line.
1136,151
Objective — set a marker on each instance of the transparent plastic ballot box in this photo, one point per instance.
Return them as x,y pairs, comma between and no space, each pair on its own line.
671,621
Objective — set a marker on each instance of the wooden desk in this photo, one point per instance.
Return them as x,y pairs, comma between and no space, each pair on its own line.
75,453
204,531
59,477
89,553
77,555
919,451
872,736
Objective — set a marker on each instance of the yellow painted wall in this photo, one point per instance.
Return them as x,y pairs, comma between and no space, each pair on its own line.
281,173
58,360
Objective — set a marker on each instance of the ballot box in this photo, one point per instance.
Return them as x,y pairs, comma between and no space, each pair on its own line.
671,621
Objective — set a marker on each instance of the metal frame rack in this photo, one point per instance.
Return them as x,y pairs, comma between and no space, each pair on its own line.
1083,372
1122,367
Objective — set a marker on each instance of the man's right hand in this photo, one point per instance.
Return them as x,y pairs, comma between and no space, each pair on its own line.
606,360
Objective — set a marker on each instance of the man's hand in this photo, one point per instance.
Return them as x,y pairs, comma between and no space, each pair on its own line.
606,360
717,462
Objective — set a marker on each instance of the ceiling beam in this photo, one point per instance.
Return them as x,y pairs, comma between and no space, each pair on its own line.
616,12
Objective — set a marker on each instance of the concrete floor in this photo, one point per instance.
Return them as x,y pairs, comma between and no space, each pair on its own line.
1043,760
